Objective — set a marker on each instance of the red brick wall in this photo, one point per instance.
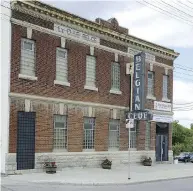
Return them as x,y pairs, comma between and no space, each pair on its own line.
141,135
152,136
46,67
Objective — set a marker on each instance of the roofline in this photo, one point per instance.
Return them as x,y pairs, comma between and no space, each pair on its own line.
104,29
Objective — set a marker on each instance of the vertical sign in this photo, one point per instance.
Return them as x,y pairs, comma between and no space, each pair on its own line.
139,82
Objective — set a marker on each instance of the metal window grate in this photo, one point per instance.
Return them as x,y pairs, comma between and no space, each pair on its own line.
150,85
60,132
115,76
165,86
89,129
27,63
61,65
114,133
90,70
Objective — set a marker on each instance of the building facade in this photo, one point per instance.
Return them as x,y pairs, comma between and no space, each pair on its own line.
69,91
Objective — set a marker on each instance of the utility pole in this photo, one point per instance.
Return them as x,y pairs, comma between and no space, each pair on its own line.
131,108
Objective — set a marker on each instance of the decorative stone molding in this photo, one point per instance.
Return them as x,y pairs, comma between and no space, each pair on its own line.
166,71
91,50
63,42
116,57
151,67
29,33
27,105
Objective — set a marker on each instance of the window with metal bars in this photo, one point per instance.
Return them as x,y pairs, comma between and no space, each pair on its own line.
165,86
27,63
61,65
150,84
89,129
133,136
60,132
114,129
90,71
115,76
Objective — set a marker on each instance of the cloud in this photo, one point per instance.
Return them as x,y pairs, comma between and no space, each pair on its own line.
183,93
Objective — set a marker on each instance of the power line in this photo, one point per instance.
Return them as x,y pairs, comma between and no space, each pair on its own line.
165,11
185,5
183,103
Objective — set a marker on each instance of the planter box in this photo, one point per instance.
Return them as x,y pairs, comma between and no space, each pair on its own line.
147,163
106,166
51,170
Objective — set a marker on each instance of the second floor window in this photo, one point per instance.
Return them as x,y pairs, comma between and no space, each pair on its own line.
27,64
115,76
165,86
61,65
150,85
90,71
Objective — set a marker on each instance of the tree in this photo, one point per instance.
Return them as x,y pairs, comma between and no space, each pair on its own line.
182,138
191,126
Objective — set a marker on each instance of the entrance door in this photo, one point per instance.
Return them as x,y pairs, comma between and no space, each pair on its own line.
161,147
26,140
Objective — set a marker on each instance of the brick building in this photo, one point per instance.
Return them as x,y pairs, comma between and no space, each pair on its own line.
69,91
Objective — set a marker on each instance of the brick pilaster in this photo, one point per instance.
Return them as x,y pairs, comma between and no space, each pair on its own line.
153,135
141,135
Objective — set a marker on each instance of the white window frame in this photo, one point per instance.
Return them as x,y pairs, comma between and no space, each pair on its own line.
90,82
27,61
61,68
150,85
114,133
115,78
133,137
165,87
90,121
65,129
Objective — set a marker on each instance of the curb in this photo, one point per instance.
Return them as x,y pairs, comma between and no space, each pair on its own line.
113,184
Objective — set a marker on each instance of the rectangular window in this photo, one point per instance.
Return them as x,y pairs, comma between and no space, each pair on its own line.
133,135
60,132
90,71
150,85
61,65
114,127
27,64
148,136
89,128
165,86
115,76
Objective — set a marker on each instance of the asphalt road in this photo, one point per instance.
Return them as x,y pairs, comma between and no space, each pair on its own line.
170,185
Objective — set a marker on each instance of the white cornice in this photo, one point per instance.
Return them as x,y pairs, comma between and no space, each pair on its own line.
75,26
52,32
49,99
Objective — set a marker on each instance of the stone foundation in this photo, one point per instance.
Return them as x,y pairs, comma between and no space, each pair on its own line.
79,159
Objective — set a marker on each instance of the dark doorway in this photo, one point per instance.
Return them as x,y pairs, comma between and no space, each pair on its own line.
162,131
26,140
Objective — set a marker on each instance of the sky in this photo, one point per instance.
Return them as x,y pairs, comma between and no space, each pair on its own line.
146,22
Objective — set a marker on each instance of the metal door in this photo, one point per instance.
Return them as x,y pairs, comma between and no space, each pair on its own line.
26,140
161,147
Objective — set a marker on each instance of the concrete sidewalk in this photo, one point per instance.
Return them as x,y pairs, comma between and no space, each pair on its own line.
98,176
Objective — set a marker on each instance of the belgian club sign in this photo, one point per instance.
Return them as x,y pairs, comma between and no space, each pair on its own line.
139,82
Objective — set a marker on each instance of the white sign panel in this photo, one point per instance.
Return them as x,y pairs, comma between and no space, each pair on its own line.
162,118
162,106
130,123
69,32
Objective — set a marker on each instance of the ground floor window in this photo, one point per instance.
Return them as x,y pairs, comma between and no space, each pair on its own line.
60,132
114,127
89,129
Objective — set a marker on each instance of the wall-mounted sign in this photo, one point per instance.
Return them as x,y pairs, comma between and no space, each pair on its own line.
139,115
138,79
162,106
162,118
148,56
66,31
130,123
